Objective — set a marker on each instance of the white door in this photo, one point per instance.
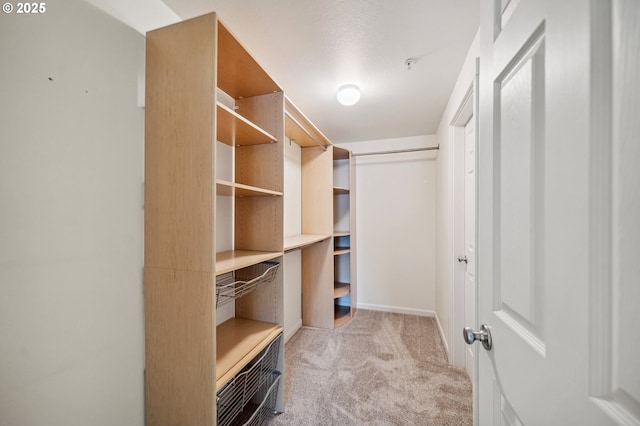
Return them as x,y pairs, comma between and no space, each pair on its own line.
470,236
558,213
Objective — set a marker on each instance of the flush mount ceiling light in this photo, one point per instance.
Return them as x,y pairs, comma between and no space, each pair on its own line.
348,94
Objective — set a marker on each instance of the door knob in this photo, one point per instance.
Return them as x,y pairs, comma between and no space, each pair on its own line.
462,259
484,336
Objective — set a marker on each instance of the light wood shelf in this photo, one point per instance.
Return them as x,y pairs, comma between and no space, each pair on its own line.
339,251
342,315
235,130
239,340
337,190
239,75
262,165
224,187
299,241
341,289
341,233
253,191
228,261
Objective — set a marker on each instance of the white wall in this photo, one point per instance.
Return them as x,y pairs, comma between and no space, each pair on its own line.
71,215
395,216
445,255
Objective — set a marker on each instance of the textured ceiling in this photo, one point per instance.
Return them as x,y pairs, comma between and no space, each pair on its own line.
311,47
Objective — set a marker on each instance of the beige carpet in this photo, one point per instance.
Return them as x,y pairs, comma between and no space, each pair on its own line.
379,369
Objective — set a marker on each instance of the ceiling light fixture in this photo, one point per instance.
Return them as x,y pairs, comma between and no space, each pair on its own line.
348,94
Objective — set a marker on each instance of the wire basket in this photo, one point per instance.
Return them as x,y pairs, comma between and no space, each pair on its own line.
251,391
265,410
233,285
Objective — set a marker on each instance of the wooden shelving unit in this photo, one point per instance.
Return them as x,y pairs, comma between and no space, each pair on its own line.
214,211
188,358
318,155
315,207
344,237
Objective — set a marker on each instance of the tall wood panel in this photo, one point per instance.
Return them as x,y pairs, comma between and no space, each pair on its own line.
179,118
179,218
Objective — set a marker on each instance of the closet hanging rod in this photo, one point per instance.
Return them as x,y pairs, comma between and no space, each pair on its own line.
324,147
431,148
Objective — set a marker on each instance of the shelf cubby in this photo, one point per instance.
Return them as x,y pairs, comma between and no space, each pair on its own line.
341,242
239,74
261,165
236,130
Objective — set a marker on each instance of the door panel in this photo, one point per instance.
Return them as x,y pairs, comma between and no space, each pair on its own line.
503,412
519,145
470,196
558,202
470,236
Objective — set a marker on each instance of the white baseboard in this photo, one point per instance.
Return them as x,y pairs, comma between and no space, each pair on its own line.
397,309
410,311
444,339
289,333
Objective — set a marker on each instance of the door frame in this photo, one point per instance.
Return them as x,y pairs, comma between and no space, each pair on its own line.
466,110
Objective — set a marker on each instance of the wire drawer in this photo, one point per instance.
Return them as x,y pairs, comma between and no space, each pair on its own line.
233,285
250,397
256,415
